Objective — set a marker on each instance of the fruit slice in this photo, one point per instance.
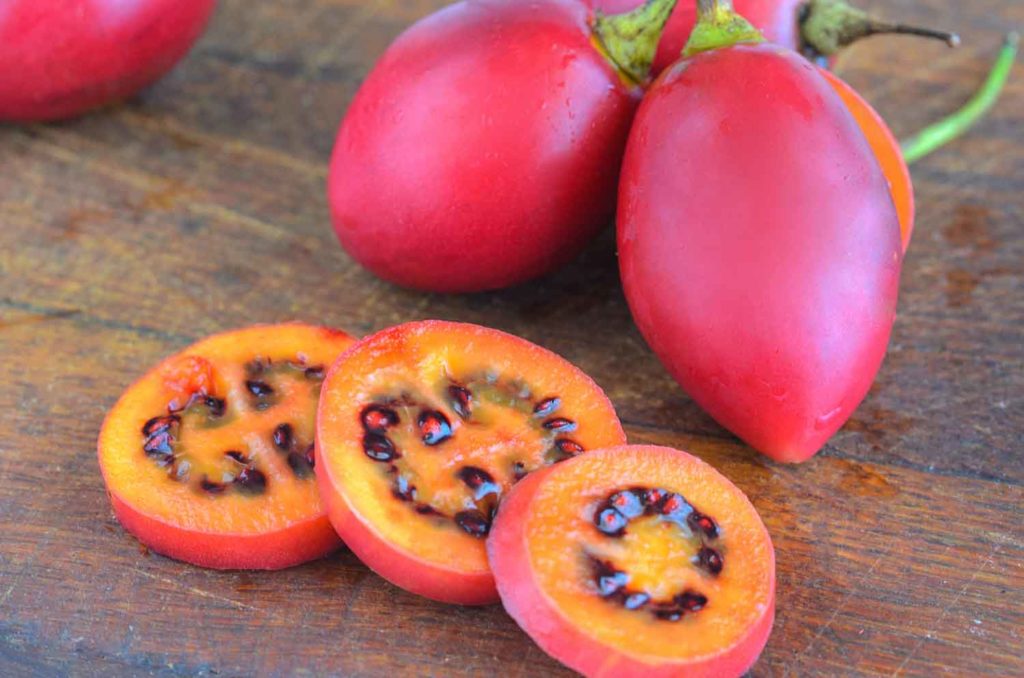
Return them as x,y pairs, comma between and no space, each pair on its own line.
422,430
636,561
887,152
208,458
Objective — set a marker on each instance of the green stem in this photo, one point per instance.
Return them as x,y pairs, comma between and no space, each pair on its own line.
826,26
941,133
630,40
718,25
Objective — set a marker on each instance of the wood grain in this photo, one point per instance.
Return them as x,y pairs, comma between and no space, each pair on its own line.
200,206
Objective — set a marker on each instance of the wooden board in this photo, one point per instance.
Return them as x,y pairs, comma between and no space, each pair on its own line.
200,206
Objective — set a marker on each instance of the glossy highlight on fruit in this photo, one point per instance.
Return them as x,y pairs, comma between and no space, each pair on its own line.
422,430
636,561
209,457
483,149
62,58
759,245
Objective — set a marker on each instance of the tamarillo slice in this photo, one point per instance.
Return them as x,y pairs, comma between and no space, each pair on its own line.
636,561
424,427
208,458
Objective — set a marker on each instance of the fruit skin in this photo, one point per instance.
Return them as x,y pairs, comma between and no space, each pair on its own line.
62,58
483,149
392,562
759,245
887,151
777,19
568,643
297,543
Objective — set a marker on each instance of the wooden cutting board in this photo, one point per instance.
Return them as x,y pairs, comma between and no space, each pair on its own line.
200,206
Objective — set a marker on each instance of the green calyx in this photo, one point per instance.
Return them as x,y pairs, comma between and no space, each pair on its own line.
718,25
826,26
630,40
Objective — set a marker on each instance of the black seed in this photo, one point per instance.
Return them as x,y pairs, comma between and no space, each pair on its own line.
653,498
519,470
211,486
297,463
434,427
611,583
569,447
691,601
480,481
635,601
159,425
378,419
315,373
159,445
251,481
216,406
668,613
462,401
260,389
163,460
473,522
311,455
676,508
560,425
710,560
237,456
378,447
403,490
699,522
611,522
547,406
284,436
425,510
628,503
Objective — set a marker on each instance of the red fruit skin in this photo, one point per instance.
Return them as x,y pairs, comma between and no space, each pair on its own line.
525,602
777,19
299,543
759,245
483,149
62,58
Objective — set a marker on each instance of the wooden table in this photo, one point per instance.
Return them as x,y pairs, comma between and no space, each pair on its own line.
200,206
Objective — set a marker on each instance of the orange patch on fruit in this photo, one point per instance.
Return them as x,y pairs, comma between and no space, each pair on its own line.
636,560
887,152
422,430
208,457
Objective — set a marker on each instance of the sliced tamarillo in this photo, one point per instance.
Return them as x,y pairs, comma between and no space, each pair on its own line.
209,459
424,427
636,561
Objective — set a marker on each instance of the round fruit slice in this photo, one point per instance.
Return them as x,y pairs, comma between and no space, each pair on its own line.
636,561
209,457
424,427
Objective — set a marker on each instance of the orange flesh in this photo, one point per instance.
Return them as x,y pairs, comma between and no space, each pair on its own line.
419,362
217,367
561,539
887,152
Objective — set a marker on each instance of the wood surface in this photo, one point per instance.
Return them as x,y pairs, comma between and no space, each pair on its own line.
199,206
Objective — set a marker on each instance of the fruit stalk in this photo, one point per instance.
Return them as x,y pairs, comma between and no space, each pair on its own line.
631,39
718,25
946,130
826,26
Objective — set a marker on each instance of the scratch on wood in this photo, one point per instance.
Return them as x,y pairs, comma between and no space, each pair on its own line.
196,591
39,318
842,603
6,595
956,599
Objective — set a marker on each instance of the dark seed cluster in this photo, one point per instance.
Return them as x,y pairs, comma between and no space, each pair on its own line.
612,519
434,429
240,473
